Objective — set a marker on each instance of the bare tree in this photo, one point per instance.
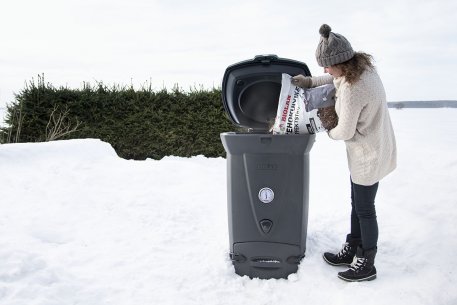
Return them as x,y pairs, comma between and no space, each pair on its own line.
59,124
17,118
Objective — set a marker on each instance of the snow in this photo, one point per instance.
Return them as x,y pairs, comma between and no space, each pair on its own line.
79,225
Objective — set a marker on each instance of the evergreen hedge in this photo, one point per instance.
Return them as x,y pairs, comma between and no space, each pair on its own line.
139,124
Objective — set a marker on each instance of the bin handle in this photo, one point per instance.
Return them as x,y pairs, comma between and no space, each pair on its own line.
266,59
268,263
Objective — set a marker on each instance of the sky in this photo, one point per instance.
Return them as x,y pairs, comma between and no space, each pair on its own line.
190,43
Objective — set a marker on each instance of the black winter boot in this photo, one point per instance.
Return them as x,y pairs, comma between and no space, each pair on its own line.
362,269
346,254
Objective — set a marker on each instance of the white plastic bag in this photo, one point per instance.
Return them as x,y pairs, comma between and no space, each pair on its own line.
292,116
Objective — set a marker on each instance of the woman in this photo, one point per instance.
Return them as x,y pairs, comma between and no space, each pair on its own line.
364,124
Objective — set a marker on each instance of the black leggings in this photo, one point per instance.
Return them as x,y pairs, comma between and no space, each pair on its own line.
364,224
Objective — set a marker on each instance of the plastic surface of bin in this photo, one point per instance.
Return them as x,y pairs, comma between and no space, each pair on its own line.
267,175
267,201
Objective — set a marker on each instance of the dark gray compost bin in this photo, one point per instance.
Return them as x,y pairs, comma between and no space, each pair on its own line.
267,175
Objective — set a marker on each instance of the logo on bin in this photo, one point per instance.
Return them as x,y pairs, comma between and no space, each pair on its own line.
267,166
266,195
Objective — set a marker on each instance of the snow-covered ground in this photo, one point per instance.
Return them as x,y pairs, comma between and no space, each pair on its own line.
78,225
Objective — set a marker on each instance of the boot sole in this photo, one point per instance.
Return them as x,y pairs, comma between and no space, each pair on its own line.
368,278
333,264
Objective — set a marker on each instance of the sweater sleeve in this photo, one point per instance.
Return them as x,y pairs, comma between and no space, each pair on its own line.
321,80
350,106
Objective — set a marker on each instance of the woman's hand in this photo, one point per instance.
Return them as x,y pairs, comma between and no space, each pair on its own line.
302,81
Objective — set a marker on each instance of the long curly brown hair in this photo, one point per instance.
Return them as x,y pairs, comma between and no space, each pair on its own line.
354,67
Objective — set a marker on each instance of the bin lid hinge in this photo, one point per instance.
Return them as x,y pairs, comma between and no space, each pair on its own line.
237,257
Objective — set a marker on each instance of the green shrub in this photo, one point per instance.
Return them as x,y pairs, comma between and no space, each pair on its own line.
139,124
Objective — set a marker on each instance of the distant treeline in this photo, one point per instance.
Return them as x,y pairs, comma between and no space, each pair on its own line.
139,124
423,104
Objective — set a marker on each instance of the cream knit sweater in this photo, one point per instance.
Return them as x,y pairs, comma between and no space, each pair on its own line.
364,124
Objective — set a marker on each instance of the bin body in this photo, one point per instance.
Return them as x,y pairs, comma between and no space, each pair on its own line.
267,190
267,175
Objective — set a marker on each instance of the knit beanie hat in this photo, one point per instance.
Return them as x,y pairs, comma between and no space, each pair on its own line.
333,48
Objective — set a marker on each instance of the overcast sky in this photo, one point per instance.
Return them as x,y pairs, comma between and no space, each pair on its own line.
192,42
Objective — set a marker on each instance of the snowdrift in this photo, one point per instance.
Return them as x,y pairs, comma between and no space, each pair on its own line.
78,225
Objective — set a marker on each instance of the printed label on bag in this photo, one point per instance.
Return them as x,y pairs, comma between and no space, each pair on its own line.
292,116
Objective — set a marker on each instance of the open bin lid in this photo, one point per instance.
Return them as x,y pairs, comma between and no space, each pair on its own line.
251,88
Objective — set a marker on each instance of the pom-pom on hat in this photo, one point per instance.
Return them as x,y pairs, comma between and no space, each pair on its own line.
333,48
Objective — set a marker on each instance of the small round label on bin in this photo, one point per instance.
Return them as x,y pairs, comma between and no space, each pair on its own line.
266,195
